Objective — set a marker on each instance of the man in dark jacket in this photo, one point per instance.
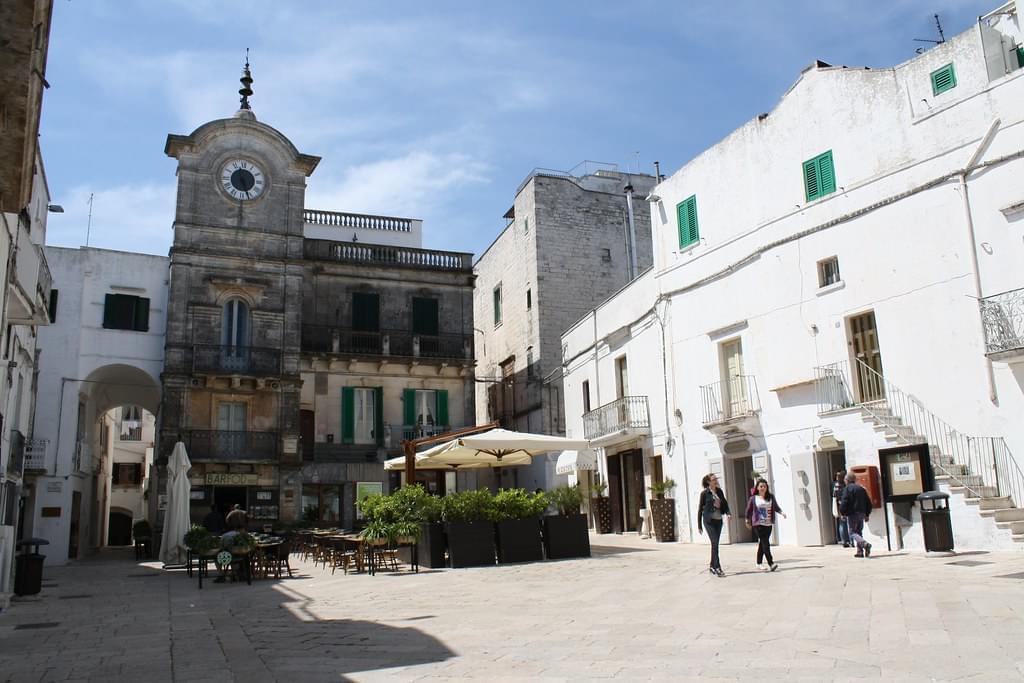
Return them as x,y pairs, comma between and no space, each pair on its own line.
855,504
214,521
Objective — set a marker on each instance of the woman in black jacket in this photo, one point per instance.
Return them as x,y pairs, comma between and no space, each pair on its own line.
712,509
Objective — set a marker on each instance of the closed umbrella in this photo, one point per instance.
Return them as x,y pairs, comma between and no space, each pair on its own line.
176,516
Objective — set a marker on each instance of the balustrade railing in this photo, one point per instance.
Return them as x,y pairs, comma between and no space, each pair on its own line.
1002,316
334,339
235,359
356,220
729,399
628,412
383,255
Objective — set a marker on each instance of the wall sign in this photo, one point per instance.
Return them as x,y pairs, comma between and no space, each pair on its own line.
906,472
231,479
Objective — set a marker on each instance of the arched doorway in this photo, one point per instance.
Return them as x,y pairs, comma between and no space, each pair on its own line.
119,527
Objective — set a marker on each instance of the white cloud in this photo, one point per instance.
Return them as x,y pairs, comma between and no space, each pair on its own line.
126,218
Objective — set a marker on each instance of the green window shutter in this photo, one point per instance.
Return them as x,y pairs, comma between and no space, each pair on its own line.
109,303
943,79
442,407
348,415
141,315
378,415
409,406
686,216
819,176
1020,56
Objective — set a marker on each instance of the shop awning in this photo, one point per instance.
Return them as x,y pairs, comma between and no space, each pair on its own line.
575,461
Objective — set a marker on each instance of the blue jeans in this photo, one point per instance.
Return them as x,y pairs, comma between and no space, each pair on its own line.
855,522
714,529
842,531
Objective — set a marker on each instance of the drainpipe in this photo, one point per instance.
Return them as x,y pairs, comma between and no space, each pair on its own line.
993,395
632,233
668,424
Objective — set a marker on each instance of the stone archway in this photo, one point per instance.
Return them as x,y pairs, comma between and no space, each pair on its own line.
119,527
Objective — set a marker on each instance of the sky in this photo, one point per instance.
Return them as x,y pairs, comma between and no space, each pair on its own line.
435,110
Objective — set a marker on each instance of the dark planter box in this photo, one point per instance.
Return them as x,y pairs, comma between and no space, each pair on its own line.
603,515
519,540
566,536
470,544
429,548
663,517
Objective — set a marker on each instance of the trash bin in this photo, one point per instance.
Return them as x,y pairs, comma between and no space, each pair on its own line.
938,529
28,567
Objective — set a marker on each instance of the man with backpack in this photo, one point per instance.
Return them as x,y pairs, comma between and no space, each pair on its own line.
855,505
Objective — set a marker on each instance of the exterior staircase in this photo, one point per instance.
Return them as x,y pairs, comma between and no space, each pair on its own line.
981,469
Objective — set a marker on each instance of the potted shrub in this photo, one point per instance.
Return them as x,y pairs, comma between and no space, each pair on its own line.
467,518
566,534
421,510
663,510
517,525
200,541
602,509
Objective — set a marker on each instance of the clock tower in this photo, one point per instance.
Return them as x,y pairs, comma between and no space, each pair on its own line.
231,383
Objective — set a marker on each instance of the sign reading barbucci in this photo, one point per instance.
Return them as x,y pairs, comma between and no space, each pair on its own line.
229,479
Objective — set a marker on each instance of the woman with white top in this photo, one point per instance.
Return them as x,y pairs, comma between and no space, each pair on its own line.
761,510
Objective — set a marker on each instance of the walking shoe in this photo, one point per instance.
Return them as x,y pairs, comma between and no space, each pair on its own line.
773,566
867,550
713,571
720,573
846,545
859,553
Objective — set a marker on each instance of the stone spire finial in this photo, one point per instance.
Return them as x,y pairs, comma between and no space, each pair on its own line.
246,90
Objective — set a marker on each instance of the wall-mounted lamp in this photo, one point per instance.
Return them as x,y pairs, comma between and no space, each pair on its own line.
55,208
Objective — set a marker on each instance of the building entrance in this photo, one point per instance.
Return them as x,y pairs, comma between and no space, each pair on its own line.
626,489
829,464
738,491
226,497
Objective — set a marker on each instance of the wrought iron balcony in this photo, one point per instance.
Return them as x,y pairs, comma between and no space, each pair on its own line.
390,256
397,343
211,444
35,455
1002,316
628,414
729,400
16,461
236,360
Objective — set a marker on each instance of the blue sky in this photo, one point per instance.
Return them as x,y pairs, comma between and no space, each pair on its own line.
428,110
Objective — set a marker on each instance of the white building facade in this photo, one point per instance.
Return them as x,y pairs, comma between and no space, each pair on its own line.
850,292
103,351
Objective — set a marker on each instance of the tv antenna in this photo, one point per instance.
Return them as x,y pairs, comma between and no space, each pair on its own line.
942,37
88,225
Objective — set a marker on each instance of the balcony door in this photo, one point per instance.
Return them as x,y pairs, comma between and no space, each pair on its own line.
234,336
231,428
867,357
366,322
734,390
364,406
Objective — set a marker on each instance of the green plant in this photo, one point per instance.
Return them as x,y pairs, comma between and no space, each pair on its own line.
240,543
468,506
518,504
199,539
660,489
414,504
567,499
378,530
597,491
142,530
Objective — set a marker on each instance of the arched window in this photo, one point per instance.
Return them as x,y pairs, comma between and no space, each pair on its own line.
235,325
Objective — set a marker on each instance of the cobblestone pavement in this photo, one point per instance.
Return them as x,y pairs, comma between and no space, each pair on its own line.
636,610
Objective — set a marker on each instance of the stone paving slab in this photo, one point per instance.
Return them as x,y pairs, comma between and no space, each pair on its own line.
637,610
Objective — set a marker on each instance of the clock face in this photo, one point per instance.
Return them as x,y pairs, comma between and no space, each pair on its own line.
242,179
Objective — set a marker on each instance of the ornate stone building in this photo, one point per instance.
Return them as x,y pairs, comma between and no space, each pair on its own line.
302,345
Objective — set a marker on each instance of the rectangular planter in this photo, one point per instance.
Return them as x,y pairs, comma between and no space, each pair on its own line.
603,515
663,517
519,540
430,547
566,536
470,544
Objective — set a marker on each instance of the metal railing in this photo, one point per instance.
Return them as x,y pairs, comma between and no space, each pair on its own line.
393,256
729,399
35,455
356,220
335,339
45,280
16,460
1002,316
410,432
214,444
129,433
235,359
973,462
628,412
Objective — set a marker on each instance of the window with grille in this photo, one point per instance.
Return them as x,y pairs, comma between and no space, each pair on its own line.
819,176
943,79
828,272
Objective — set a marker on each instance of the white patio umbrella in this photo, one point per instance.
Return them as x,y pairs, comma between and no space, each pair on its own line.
496,448
176,516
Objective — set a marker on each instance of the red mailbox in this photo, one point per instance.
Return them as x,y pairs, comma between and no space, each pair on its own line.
869,478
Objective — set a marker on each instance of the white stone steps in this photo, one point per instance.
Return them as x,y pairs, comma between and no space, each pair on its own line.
983,491
995,503
1014,527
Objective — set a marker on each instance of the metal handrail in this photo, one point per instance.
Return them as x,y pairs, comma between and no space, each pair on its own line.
628,412
729,399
